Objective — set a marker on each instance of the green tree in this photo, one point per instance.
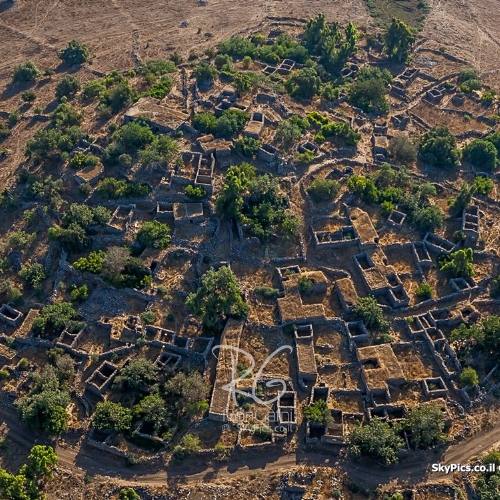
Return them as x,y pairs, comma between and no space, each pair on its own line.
205,72
137,374
291,130
368,311
426,424
491,332
370,95
236,181
231,122
152,408
154,234
304,83
26,72
73,237
193,390
458,264
74,53
469,377
318,413
217,297
376,439
482,154
403,150
438,148
428,218
162,151
205,122
55,317
68,86
43,459
112,417
398,40
248,146
44,407
131,137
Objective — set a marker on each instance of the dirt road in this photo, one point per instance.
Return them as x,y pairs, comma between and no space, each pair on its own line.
410,471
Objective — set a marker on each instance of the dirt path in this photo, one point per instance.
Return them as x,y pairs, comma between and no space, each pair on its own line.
413,470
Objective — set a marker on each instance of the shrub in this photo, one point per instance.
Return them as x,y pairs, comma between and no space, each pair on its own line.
424,291
306,157
267,292
26,72
154,235
483,185
68,86
81,160
28,96
14,117
204,72
467,74
323,189
74,53
469,377
195,192
128,494
318,413
247,62
136,375
161,89
457,264
149,317
79,294
21,239
93,89
33,275
305,285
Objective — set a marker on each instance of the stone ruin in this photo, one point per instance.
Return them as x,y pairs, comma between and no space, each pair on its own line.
11,316
306,364
187,213
470,223
197,169
436,244
291,307
284,68
121,218
396,220
381,279
226,363
347,294
255,125
286,410
101,378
